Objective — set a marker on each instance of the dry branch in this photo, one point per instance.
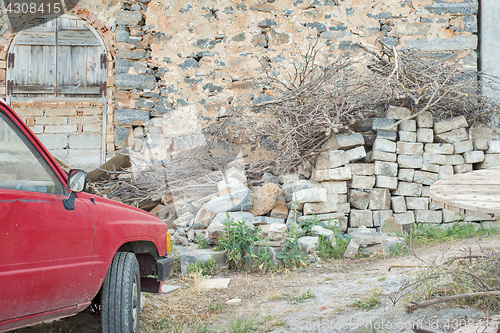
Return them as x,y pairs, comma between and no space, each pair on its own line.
418,305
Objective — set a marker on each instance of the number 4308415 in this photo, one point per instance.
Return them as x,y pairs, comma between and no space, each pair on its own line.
33,8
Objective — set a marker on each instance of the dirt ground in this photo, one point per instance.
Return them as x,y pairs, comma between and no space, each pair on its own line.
317,298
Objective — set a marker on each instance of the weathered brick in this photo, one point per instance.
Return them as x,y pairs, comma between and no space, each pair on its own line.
382,217
459,134
439,148
382,156
463,146
398,204
359,199
410,161
335,187
428,216
342,173
474,156
409,148
384,146
383,124
454,160
362,169
332,159
397,112
450,124
390,183
425,135
360,218
462,168
445,171
406,175
417,203
425,178
408,126
363,182
407,136
380,199
404,218
408,189
356,154
386,169
343,141
425,120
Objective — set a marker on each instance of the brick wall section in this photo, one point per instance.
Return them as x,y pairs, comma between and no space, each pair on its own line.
210,53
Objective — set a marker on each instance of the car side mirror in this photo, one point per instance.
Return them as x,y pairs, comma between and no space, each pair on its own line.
77,181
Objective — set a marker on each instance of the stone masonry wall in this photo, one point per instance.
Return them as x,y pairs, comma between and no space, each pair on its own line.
168,54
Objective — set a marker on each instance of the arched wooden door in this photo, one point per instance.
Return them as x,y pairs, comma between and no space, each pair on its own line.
60,64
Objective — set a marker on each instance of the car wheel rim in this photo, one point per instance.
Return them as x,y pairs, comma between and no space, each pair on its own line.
135,303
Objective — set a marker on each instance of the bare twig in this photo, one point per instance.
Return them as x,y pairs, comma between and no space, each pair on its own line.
417,305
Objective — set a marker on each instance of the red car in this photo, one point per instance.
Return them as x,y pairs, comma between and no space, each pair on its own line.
62,250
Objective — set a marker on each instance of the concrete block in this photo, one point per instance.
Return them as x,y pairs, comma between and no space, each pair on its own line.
342,173
382,217
428,216
425,178
425,120
383,124
362,169
410,148
360,218
408,189
384,145
85,141
343,141
408,126
331,159
439,148
430,158
407,136
481,144
445,171
359,199
398,204
473,156
430,168
380,199
413,203
386,169
425,135
356,154
404,218
61,154
383,156
454,160
406,175
397,112
462,168
363,182
390,183
55,129
335,187
493,147
410,161
456,135
490,161
450,124
54,141
315,194
86,159
463,146
387,135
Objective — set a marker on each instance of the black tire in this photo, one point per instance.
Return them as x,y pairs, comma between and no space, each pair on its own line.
121,295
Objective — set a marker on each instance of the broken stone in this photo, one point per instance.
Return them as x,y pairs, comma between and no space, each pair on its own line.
264,200
319,231
307,244
352,249
450,124
236,201
280,210
359,199
229,185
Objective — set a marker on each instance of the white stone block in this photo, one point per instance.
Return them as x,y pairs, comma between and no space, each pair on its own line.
408,126
360,218
452,136
406,175
425,178
463,146
462,168
398,204
384,145
410,161
425,120
428,216
390,183
425,135
408,189
362,169
454,159
413,203
439,148
450,124
335,187
383,156
410,148
430,158
342,173
332,159
407,136
363,182
431,168
315,194
386,169
397,112
474,156
404,218
445,171
356,154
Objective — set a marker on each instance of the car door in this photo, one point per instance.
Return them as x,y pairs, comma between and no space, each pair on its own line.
45,250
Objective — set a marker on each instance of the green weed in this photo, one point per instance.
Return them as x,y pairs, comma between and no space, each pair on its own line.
369,302
205,268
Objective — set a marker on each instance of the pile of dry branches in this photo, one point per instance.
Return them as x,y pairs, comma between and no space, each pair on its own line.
320,100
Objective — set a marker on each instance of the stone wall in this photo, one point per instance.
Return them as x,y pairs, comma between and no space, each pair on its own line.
211,54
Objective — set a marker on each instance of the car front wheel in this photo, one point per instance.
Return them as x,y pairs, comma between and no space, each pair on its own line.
121,295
